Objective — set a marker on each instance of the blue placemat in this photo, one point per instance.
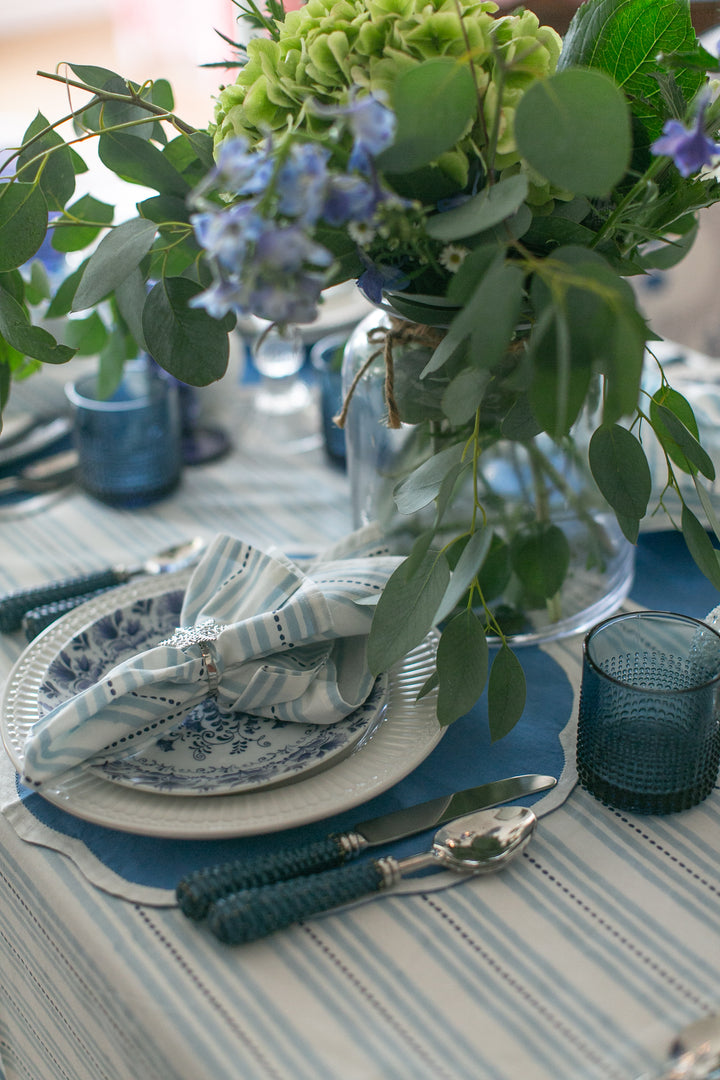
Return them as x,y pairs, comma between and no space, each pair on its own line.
665,578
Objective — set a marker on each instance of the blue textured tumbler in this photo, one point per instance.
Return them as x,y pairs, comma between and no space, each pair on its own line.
648,728
129,444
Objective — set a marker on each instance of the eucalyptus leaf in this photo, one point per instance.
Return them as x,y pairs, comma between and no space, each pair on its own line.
130,295
708,506
70,234
49,161
116,256
506,693
574,129
620,470
23,223
675,425
422,486
30,340
706,557
435,103
491,206
467,568
139,162
87,336
464,394
184,339
540,557
462,665
406,611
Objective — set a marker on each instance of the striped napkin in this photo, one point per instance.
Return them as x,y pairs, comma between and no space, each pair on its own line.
259,632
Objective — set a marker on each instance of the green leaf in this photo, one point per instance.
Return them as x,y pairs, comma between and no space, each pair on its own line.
29,340
435,103
574,129
130,295
706,557
116,256
674,424
54,172
87,336
487,320
61,303
464,394
23,223
68,235
506,693
111,364
624,40
406,611
620,470
491,206
423,484
467,568
184,340
163,208
462,664
540,557
138,162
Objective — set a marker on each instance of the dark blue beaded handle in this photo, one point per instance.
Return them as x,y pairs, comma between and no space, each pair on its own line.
35,621
255,913
14,606
196,892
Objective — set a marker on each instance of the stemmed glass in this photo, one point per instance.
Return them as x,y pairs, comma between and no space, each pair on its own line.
284,404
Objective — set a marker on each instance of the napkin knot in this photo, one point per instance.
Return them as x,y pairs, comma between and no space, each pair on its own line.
201,636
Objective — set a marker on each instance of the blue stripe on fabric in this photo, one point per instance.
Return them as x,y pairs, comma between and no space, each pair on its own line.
619,909
344,999
503,994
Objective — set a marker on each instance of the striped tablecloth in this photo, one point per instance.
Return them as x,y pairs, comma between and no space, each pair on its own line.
579,962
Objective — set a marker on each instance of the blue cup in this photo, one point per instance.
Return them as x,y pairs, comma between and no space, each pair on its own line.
326,359
648,736
129,445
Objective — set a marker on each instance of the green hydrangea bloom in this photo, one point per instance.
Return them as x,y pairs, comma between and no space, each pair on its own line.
328,47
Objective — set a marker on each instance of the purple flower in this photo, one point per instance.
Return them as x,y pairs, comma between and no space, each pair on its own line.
301,181
378,277
245,173
690,148
349,198
373,126
289,248
225,234
222,297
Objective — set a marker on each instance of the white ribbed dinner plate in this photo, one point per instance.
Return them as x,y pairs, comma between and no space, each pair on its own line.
408,733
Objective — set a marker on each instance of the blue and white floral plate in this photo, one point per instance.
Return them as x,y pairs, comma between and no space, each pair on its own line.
210,752
389,746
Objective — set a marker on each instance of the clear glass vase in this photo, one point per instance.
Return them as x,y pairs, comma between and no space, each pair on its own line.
526,491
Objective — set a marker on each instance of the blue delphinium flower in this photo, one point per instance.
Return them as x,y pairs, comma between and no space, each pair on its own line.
301,181
373,126
226,235
244,172
349,198
377,277
690,148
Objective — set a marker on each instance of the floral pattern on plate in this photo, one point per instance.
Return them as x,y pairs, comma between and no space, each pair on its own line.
211,752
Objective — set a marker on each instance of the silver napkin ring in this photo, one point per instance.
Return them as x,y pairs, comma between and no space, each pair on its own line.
201,635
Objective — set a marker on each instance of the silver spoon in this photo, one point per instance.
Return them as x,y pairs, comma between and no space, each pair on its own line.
478,843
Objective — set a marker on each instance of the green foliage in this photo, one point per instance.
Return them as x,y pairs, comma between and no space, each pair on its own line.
526,196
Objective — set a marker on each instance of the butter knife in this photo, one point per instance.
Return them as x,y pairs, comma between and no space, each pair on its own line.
14,606
198,890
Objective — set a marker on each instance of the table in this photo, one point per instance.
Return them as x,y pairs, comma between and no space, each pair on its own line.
579,962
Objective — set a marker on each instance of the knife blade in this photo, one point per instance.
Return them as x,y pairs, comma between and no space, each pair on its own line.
14,606
201,888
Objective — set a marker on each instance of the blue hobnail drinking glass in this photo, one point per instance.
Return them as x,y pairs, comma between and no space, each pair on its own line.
129,446
648,736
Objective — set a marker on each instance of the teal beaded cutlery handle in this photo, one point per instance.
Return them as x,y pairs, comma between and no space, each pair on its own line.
35,621
255,913
15,605
198,891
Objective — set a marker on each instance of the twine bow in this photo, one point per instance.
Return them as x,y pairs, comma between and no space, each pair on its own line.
399,332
